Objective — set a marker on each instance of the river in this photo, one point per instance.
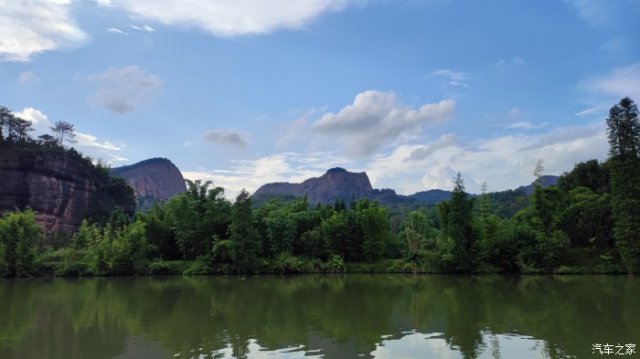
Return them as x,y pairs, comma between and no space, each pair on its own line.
341,316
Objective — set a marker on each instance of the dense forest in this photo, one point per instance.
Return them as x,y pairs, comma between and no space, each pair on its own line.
588,223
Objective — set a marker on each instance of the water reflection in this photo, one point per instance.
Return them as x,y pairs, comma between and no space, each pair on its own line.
376,316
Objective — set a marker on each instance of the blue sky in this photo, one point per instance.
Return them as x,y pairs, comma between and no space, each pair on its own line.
247,92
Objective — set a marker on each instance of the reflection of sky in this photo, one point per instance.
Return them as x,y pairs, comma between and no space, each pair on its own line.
409,346
255,351
419,345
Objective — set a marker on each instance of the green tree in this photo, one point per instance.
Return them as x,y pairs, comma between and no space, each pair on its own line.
19,238
243,233
536,232
623,130
22,128
590,174
374,222
587,220
8,121
457,226
5,117
62,129
419,234
199,217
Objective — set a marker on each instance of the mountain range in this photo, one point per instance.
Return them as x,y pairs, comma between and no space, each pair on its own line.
340,184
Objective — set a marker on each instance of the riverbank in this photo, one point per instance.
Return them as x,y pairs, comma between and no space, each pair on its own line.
579,261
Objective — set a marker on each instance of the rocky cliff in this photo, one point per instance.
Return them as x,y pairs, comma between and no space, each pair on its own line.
61,186
156,179
336,183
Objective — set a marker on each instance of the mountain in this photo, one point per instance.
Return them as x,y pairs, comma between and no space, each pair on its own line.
336,183
61,186
152,180
432,196
545,181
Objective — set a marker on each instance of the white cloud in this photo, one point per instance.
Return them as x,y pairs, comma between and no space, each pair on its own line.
424,151
84,139
512,62
594,12
227,137
453,78
620,82
27,78
124,89
376,118
88,143
504,162
592,111
145,28
231,18
282,167
30,27
39,120
515,112
526,125
115,30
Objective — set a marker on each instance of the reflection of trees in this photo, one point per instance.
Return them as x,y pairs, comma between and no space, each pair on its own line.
339,314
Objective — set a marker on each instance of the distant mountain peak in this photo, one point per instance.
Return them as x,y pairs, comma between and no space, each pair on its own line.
152,180
336,183
337,170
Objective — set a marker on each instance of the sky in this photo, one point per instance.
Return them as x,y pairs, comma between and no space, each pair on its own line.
247,92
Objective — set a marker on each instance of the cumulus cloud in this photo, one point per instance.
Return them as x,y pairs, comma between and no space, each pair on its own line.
30,27
453,78
620,82
424,151
505,161
124,89
227,137
230,18
39,120
377,118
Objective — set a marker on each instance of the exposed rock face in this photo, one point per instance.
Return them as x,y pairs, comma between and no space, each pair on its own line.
155,179
55,185
337,183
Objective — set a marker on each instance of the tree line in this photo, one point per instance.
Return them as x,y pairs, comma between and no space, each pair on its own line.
588,223
13,128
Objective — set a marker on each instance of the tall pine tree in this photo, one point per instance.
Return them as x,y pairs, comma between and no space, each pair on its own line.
457,224
624,146
244,235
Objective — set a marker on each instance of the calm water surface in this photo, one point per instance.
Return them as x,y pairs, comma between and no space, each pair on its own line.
353,316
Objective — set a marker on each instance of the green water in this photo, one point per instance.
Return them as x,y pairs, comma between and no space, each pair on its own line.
380,316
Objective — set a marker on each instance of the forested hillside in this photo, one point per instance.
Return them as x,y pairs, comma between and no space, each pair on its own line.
587,223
